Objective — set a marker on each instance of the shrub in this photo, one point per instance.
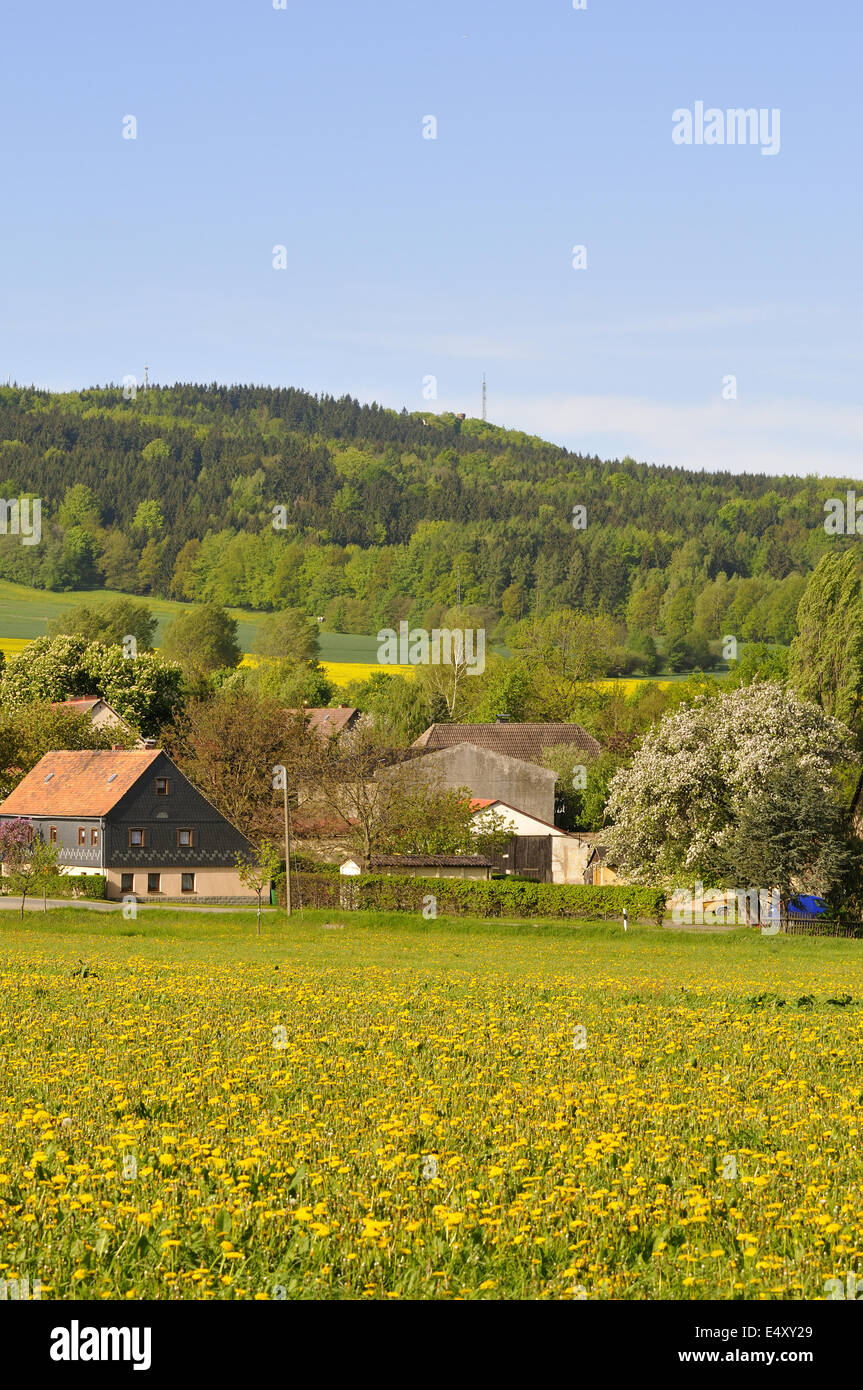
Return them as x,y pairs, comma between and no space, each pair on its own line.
505,897
66,886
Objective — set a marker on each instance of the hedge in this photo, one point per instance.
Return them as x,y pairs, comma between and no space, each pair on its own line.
64,886
500,897
507,897
309,890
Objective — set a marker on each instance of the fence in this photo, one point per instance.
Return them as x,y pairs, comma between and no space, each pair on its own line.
819,926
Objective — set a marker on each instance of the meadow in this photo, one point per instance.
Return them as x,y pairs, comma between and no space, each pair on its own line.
369,1106
25,614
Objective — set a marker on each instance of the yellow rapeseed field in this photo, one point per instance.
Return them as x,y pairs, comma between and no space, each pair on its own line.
374,1108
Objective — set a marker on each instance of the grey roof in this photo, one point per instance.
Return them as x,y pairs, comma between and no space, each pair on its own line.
437,861
524,741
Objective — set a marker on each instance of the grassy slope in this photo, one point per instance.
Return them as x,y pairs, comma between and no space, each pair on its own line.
24,614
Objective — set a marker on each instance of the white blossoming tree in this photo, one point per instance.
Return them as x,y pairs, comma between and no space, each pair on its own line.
743,788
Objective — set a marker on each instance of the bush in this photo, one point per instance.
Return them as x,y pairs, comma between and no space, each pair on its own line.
93,886
309,890
505,897
65,886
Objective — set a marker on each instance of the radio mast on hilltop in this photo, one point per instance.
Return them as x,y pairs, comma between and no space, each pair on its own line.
146,377
484,400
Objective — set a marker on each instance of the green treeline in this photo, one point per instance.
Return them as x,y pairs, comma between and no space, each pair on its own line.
384,515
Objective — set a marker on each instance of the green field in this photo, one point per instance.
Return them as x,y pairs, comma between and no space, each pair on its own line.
25,613
359,1106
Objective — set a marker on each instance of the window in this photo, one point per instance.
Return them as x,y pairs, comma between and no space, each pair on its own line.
188,883
82,835
185,838
94,837
153,883
127,883
163,786
137,839
52,834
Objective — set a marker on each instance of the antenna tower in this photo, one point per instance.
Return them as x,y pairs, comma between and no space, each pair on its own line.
484,400
146,378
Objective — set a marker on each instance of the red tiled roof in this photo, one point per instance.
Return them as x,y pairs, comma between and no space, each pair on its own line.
328,721
524,741
77,783
482,804
79,702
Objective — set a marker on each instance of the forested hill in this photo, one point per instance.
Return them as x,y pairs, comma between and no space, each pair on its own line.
172,493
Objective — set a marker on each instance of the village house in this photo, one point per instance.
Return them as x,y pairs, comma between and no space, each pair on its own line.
487,773
522,741
502,760
102,715
131,815
538,848
331,722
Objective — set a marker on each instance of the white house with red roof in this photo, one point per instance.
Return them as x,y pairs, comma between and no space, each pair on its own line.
569,853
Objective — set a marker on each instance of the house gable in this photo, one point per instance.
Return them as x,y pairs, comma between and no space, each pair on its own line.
161,816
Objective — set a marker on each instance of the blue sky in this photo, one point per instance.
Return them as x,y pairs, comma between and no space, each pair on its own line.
409,258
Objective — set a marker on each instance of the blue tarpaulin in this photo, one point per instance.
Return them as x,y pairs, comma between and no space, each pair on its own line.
807,905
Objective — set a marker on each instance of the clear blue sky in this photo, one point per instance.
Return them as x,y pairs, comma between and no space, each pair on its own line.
410,257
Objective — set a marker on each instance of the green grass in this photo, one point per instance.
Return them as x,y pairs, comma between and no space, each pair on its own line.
25,613
399,1108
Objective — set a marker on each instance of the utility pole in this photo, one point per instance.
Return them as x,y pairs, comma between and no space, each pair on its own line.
280,783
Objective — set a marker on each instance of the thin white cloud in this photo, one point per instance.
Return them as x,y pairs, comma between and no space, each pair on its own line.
432,345
776,436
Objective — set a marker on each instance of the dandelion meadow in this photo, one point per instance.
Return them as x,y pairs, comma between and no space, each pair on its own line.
374,1107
